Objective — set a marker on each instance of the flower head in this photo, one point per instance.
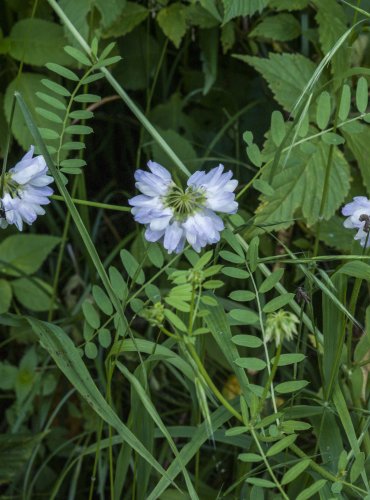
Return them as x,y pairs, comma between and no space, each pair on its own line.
280,325
174,215
26,188
358,217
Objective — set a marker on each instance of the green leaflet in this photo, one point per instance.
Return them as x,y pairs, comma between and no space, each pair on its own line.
286,74
68,359
298,188
235,8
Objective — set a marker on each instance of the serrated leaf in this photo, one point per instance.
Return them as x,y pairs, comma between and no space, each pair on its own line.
236,8
132,15
286,75
172,20
289,4
299,188
359,144
332,24
280,27
62,71
247,341
295,471
37,41
293,386
323,110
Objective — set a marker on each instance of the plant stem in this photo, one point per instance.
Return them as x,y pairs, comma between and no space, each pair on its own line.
95,204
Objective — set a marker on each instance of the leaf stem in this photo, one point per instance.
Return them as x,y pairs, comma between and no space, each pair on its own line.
96,204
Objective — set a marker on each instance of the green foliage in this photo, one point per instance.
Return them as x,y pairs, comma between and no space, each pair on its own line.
145,371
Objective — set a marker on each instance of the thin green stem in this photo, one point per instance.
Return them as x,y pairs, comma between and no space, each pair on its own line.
269,382
96,204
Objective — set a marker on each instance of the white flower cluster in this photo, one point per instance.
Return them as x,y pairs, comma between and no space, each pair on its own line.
25,189
358,217
176,216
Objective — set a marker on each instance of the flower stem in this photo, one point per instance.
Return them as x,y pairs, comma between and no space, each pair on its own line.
96,204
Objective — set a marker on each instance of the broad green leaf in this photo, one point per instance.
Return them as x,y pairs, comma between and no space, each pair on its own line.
68,360
311,490
298,188
281,27
278,302
253,364
132,15
172,20
181,145
109,11
28,84
281,445
286,75
356,269
295,471
32,293
244,317
91,314
242,295
247,341
293,386
102,300
236,8
289,4
332,24
359,144
15,452
25,253
78,11
37,41
5,296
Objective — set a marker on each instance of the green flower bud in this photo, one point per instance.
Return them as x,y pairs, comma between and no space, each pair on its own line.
281,325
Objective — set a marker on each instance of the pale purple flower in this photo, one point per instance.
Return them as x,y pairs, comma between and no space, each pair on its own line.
26,188
176,216
358,217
